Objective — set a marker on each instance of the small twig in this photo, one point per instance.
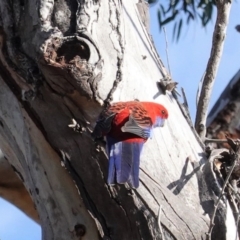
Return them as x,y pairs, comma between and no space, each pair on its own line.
236,194
166,41
159,221
199,89
184,98
237,222
223,9
185,105
232,201
219,198
208,140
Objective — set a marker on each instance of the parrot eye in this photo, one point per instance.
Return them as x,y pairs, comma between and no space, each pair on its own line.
163,112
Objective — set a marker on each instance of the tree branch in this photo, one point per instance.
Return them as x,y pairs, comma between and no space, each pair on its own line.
235,155
218,200
223,9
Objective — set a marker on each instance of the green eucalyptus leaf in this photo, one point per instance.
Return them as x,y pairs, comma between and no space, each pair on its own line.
159,18
162,9
152,1
169,19
174,30
185,11
179,29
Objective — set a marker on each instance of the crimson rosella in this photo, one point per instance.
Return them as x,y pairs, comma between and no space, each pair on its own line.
127,126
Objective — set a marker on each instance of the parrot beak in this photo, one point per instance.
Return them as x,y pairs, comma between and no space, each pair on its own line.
163,123
159,122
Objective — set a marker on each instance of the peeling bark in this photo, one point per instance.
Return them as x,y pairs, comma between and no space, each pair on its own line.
63,60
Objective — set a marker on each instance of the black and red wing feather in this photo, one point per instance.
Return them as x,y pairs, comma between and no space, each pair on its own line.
119,113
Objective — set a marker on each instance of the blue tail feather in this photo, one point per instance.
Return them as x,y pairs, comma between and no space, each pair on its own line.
111,164
124,162
134,176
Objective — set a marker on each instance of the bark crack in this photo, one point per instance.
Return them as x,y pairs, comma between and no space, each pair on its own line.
169,219
149,191
115,83
117,41
14,53
87,14
166,199
150,216
86,197
159,205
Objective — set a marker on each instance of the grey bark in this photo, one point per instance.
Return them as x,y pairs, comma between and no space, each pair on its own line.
223,11
68,59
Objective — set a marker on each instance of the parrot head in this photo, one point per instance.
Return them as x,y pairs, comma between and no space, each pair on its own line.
161,114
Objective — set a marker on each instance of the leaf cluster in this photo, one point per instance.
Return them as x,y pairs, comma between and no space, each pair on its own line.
183,12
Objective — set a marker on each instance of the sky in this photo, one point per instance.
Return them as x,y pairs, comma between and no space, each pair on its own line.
189,56
188,59
15,225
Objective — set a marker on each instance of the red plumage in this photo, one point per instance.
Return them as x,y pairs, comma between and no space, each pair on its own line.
127,126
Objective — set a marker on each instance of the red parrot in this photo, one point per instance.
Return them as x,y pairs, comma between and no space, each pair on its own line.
127,126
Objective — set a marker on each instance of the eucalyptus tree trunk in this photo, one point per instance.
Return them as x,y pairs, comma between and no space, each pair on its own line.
62,60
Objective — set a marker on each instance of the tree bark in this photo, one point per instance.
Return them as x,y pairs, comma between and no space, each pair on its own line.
68,59
13,190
